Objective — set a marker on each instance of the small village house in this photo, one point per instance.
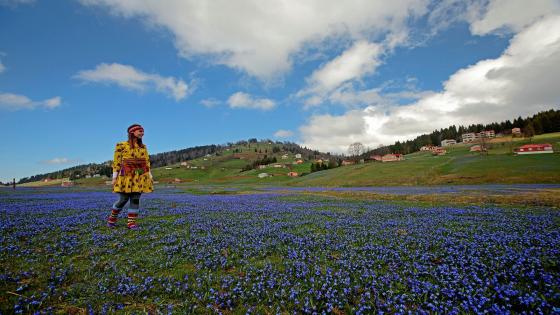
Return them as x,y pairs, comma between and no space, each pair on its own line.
439,151
263,175
285,156
298,162
293,174
67,183
347,162
516,131
378,158
427,148
534,149
298,156
392,157
476,148
448,142
487,134
469,137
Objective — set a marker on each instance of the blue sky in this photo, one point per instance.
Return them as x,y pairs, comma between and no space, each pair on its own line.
75,74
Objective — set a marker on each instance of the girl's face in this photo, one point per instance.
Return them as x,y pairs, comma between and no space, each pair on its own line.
139,133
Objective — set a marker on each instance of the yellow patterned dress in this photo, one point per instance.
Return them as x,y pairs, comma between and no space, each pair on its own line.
133,168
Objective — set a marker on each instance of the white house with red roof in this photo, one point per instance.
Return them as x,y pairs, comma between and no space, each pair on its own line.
535,149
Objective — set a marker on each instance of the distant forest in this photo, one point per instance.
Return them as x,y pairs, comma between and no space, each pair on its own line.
543,122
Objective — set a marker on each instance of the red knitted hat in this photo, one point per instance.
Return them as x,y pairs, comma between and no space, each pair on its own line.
135,127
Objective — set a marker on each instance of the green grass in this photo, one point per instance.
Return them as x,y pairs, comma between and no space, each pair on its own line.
459,166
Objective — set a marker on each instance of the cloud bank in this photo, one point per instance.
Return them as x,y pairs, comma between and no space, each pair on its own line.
131,78
522,81
13,102
260,38
244,100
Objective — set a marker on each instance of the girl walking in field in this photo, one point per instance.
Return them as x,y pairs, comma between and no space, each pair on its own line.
131,176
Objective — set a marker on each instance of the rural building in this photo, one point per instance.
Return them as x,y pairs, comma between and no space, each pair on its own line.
448,142
438,151
262,167
516,131
46,180
278,165
298,162
263,175
67,183
477,148
177,180
285,156
293,174
376,158
298,156
347,162
319,161
392,157
487,134
469,137
534,149
427,148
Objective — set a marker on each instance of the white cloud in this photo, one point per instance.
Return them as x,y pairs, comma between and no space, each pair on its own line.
131,78
359,60
53,102
59,161
244,100
12,101
283,133
512,15
210,102
521,82
261,37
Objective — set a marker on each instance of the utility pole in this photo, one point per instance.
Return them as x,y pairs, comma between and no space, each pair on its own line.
14,184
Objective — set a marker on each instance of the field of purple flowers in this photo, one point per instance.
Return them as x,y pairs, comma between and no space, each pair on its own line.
273,253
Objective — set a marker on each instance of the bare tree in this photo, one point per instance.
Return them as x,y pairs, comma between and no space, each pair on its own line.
356,149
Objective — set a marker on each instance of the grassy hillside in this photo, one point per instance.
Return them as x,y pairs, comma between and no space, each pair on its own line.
227,167
459,166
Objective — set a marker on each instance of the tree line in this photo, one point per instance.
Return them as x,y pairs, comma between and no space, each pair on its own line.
542,122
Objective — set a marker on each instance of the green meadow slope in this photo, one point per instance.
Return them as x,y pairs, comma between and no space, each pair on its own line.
459,166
